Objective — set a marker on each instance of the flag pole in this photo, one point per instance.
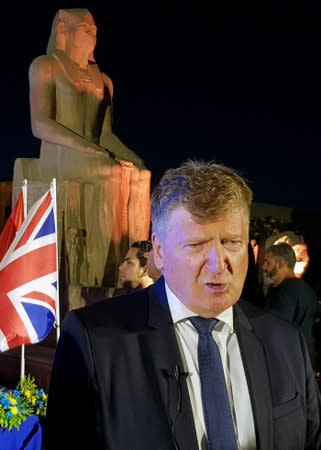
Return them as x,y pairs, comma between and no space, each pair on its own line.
25,208
54,196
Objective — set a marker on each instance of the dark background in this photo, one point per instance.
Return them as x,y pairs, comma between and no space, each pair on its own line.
238,82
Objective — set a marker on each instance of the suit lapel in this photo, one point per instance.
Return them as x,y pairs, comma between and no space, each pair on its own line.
169,367
256,372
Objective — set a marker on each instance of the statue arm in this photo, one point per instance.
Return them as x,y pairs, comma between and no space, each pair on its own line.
42,81
109,140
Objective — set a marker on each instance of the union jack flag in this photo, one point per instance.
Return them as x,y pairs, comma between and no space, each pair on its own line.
28,278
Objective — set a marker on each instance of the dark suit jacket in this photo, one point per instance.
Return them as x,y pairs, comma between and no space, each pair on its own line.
112,385
296,301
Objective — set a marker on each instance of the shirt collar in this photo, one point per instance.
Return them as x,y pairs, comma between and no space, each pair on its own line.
180,312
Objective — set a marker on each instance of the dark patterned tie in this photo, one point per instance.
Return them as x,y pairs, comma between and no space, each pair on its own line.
217,413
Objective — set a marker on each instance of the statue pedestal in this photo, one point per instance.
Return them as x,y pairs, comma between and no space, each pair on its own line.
97,220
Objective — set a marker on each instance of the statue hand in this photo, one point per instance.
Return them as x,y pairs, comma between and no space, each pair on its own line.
136,161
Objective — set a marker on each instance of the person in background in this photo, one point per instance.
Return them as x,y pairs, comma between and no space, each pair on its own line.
133,273
288,296
132,369
299,246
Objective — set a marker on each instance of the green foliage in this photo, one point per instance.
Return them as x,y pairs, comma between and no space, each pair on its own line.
18,404
263,227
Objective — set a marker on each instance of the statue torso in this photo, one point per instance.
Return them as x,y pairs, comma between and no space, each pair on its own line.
81,97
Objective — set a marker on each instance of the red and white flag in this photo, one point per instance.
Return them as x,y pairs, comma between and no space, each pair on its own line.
29,278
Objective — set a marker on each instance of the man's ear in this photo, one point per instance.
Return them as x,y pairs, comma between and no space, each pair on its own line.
158,252
143,271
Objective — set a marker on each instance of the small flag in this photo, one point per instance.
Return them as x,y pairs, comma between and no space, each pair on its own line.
28,278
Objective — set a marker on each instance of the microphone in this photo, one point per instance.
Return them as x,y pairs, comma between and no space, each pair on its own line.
173,377
174,372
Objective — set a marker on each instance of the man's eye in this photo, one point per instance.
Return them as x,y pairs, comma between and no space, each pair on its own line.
194,244
232,244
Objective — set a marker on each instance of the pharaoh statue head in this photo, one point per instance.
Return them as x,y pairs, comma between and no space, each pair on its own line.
62,24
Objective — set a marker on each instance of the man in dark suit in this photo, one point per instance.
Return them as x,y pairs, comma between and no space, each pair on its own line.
289,297
127,373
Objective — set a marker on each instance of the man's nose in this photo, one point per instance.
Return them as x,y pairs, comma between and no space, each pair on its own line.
216,258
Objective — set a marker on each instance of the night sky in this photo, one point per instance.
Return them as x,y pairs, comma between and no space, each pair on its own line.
236,82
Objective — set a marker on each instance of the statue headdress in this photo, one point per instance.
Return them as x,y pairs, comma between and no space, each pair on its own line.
63,18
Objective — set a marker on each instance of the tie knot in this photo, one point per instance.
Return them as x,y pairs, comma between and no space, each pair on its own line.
202,325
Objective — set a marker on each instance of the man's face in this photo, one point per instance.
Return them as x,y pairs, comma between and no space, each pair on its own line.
204,264
271,268
130,270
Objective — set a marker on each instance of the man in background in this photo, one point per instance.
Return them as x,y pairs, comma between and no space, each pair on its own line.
289,297
133,273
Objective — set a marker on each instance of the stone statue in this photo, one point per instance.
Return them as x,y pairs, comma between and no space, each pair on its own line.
71,100
103,186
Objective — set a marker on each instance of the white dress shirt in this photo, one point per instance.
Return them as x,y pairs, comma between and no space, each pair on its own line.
236,383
